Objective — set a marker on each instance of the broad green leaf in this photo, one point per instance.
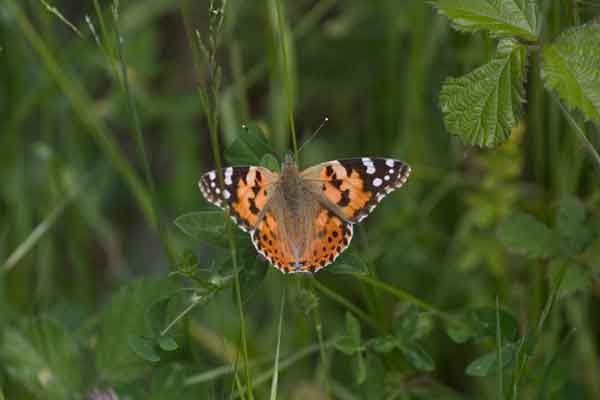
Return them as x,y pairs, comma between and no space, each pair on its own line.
270,162
208,226
570,224
523,234
571,67
143,347
416,356
375,385
499,17
460,330
249,147
124,317
360,369
484,105
487,364
42,357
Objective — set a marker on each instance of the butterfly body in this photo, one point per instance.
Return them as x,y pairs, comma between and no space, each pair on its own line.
300,221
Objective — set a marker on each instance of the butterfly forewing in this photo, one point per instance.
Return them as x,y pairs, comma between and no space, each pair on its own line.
355,186
245,192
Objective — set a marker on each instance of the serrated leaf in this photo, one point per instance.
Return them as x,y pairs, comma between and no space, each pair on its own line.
249,146
484,105
499,17
570,224
487,364
43,358
416,356
143,347
523,234
571,67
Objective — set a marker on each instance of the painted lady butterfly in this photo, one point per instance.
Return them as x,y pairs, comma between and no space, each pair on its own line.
302,221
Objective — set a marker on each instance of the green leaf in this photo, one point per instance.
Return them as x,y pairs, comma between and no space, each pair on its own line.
499,17
484,320
167,343
42,357
571,67
523,234
208,226
143,347
124,317
270,162
384,344
484,105
360,368
406,326
479,322
350,264
416,356
571,226
487,364
249,147
350,343
576,277
251,276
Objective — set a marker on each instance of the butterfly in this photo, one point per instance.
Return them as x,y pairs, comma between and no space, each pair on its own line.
301,221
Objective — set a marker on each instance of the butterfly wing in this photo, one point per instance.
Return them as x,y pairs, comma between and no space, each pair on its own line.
245,192
330,236
355,186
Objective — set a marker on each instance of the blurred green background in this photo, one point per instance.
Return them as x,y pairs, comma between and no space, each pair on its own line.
82,260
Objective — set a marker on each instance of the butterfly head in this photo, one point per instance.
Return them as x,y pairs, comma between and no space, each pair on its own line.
289,163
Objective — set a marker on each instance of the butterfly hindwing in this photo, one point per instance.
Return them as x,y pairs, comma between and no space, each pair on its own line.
330,236
245,192
355,186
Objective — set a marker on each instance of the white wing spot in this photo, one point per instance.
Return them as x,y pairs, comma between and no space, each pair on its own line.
213,184
228,173
226,194
389,162
212,175
218,190
370,169
377,182
391,171
387,177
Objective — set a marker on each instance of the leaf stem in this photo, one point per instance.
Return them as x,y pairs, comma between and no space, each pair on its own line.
286,75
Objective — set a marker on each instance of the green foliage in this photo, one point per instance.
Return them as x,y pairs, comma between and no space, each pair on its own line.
499,17
125,344
572,69
43,357
525,235
78,311
483,106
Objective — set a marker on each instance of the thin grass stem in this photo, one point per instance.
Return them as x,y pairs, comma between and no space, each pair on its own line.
274,382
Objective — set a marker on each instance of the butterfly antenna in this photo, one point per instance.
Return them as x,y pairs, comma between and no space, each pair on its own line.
311,137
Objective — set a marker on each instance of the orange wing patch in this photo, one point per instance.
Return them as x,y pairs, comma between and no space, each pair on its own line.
331,237
356,186
245,192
